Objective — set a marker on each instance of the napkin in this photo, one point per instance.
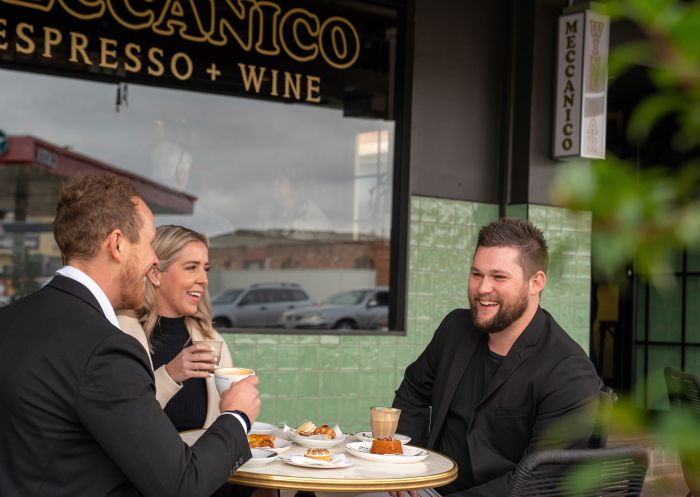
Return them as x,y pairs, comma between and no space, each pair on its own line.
307,461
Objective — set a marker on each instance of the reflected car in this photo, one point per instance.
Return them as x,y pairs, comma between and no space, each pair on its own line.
362,309
259,306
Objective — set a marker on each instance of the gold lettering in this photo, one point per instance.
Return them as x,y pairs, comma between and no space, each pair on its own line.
568,101
78,44
570,56
107,49
132,17
177,13
233,20
45,5
52,38
133,53
295,85
265,18
568,129
313,89
3,34
252,76
567,144
291,23
273,83
84,9
571,26
343,39
27,38
155,55
174,69
569,70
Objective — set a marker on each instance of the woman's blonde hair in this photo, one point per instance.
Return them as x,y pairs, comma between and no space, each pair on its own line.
169,242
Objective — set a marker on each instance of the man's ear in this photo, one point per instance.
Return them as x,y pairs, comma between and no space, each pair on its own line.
115,245
537,282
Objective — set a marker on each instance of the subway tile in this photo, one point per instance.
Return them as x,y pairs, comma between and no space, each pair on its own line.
446,212
288,357
307,384
266,357
429,210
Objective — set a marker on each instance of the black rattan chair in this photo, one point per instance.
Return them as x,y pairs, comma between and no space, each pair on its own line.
684,393
617,472
599,437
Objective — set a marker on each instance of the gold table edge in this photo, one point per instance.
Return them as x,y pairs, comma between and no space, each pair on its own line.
335,485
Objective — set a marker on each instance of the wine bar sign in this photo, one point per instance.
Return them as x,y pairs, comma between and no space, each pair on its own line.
581,96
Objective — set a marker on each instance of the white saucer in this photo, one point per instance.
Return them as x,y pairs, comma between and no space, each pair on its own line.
410,454
281,445
261,457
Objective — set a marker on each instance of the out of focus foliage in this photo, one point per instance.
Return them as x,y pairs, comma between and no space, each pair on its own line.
647,215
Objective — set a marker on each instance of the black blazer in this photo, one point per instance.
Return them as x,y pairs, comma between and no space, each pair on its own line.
78,412
545,377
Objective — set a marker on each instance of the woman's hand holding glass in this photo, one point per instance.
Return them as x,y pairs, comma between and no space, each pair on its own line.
195,361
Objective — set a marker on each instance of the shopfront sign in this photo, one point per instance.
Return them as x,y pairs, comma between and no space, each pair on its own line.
269,49
581,92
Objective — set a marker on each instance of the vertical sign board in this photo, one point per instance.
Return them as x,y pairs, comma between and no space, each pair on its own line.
581,96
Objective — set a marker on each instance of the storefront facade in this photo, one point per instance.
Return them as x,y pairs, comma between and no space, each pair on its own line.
444,113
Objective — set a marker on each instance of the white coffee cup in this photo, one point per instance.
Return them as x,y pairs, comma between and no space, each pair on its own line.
225,377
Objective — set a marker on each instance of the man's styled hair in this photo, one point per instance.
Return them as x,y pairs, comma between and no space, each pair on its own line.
89,208
520,234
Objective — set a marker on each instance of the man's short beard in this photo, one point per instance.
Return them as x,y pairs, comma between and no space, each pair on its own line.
131,286
503,318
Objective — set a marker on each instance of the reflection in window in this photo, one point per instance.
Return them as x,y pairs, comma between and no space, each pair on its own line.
287,194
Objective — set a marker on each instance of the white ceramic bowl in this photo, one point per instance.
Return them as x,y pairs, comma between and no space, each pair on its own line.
225,377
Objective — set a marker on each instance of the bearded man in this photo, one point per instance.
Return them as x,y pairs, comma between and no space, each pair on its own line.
79,414
497,381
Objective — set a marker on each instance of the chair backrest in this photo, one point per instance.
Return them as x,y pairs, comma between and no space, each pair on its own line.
599,437
683,389
618,472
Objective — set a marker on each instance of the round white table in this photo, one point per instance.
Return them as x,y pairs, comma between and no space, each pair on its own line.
363,476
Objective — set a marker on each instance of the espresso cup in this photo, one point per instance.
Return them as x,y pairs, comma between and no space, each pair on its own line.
225,377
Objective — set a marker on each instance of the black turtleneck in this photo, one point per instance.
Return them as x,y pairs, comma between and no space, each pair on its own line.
188,408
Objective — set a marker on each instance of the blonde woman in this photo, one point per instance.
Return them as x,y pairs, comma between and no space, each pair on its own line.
177,312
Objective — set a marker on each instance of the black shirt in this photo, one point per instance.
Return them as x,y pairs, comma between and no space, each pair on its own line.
188,408
471,389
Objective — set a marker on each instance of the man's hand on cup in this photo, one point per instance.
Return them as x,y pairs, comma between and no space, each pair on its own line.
242,396
195,361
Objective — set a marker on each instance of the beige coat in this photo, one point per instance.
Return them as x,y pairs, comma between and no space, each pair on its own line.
166,387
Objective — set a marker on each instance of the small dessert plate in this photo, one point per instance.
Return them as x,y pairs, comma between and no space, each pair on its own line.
261,457
410,454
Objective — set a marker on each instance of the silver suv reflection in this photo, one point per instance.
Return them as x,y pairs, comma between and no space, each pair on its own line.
259,306
363,309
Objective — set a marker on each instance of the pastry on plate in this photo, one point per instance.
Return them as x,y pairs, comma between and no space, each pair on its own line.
326,431
307,429
320,454
386,446
259,441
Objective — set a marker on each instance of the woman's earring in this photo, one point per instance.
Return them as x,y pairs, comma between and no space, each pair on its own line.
156,285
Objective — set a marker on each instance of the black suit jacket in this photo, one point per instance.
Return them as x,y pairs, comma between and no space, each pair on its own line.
544,378
78,413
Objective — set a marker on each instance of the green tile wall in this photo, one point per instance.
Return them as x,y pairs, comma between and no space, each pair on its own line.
567,295
333,379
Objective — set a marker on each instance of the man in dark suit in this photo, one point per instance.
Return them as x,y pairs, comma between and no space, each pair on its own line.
78,414
501,379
